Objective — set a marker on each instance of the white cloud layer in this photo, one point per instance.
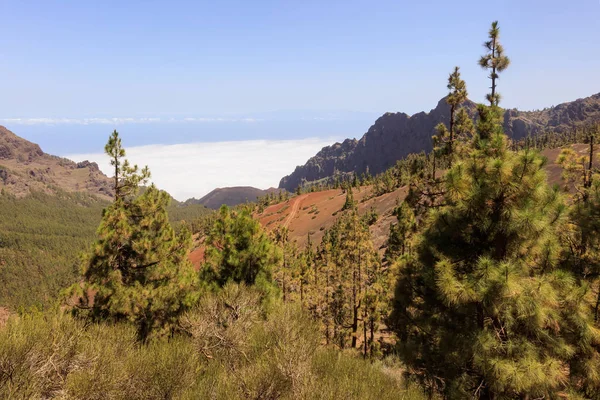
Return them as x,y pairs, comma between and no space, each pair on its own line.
194,169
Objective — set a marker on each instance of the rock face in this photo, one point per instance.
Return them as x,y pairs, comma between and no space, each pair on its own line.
24,167
395,135
392,137
558,119
12,146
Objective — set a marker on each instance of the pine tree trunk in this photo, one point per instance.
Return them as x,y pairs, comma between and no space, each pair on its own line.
283,288
365,332
327,304
493,100
597,305
372,338
480,317
284,272
354,325
591,163
451,141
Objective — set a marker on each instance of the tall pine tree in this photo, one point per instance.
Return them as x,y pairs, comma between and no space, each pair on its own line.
239,250
484,308
137,270
494,60
445,137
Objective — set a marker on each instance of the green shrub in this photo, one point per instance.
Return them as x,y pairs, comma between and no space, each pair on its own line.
232,346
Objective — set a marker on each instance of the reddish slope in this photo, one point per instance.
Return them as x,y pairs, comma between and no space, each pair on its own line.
314,212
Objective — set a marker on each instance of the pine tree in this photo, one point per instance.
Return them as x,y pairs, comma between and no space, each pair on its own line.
288,272
355,181
445,137
583,178
352,274
127,177
323,283
137,270
349,203
400,232
308,272
483,306
447,145
494,60
239,250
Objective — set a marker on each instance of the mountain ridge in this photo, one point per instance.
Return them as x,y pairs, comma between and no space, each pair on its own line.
24,168
395,135
230,196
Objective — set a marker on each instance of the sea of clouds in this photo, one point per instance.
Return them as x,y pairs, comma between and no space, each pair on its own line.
194,169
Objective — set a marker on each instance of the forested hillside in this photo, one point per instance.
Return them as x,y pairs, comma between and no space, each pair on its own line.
41,237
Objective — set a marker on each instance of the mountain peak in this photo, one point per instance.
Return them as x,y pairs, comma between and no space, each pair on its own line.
14,147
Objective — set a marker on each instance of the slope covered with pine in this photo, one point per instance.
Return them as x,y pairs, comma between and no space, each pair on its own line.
314,212
50,208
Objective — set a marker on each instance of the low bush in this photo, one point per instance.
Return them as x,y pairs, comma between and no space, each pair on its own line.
232,346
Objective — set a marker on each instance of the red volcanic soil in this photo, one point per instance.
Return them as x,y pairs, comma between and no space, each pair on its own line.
196,256
314,212
554,171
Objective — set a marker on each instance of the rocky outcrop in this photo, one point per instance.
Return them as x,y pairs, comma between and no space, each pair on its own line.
395,135
12,146
24,167
558,119
392,137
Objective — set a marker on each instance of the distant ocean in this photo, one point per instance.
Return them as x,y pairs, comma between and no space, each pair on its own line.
74,136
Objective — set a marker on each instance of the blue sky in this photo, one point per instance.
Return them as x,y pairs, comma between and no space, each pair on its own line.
71,71
151,58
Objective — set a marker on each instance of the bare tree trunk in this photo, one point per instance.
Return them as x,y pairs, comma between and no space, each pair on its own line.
492,100
372,339
451,141
326,305
354,325
591,163
365,332
597,305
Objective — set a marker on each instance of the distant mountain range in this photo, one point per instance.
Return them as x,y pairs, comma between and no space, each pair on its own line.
395,135
24,167
230,196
